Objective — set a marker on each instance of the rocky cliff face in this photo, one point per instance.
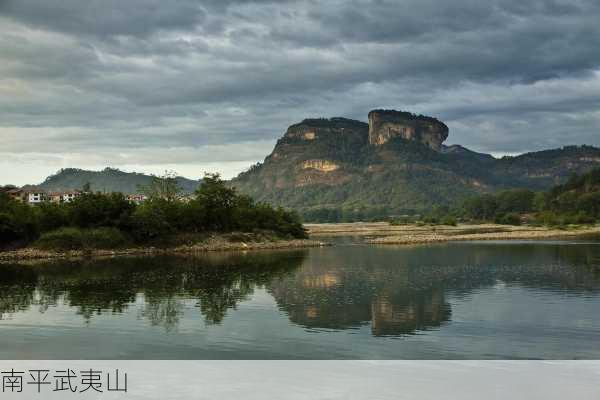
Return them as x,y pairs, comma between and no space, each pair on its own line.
387,124
395,164
320,165
323,128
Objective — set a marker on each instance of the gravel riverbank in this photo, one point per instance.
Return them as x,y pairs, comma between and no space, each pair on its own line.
215,244
384,233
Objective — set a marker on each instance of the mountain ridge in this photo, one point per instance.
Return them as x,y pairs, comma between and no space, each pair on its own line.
396,163
106,180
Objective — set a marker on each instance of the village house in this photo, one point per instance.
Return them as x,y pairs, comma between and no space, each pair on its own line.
36,196
63,197
67,197
54,197
187,198
17,194
136,198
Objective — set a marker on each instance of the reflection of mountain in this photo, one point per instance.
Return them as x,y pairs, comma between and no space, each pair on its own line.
408,312
392,291
400,291
217,282
341,299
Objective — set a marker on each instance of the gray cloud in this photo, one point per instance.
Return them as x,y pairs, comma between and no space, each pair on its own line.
148,81
106,17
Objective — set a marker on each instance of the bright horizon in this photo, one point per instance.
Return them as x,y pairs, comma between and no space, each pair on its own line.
36,174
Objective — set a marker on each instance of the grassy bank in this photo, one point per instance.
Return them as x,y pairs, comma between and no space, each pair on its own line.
185,244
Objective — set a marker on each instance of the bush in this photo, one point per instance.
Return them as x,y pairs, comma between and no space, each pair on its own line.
18,221
583,218
508,219
52,216
150,222
104,238
448,220
61,239
93,210
431,219
82,239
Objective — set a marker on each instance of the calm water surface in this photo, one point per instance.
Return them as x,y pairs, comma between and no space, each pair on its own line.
474,300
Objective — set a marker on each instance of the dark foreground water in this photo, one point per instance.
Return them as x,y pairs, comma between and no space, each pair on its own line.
460,300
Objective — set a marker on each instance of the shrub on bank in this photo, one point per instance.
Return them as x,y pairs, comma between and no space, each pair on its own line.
448,220
104,238
82,239
150,222
508,219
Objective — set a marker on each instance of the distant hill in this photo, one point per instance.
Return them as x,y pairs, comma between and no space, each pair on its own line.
107,180
395,164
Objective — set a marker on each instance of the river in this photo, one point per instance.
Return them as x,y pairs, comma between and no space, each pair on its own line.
463,300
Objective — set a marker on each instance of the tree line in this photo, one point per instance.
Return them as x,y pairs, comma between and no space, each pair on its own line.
109,220
575,202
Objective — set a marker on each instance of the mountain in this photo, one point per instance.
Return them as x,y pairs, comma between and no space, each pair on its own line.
394,164
107,180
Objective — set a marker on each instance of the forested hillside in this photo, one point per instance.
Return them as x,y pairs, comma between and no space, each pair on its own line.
108,180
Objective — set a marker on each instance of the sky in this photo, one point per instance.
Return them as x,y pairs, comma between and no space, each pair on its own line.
194,86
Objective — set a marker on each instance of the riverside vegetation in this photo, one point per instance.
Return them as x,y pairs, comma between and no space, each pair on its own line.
566,211
165,219
576,202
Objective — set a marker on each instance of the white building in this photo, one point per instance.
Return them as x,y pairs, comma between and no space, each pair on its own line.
36,196
68,197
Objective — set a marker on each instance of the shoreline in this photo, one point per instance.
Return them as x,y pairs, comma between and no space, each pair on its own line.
412,234
374,233
506,236
30,253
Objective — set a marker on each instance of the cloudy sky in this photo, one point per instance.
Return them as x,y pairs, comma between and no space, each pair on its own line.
194,86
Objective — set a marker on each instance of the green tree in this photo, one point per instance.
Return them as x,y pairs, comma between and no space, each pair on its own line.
163,187
92,210
215,203
52,216
18,221
150,221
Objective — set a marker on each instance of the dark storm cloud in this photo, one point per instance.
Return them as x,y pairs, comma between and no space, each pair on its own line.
140,76
105,17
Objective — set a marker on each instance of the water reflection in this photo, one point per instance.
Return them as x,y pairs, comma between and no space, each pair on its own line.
217,282
394,291
338,298
403,290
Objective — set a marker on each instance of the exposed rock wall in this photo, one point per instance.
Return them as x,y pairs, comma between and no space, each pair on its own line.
387,124
320,165
319,128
